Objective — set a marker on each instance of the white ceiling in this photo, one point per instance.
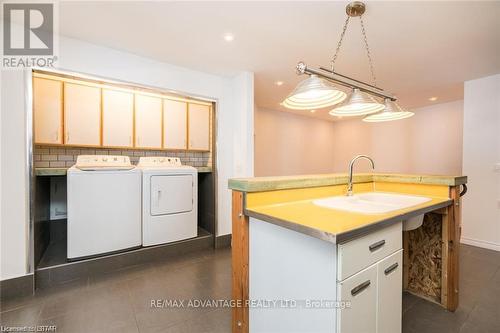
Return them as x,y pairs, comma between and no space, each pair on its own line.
420,49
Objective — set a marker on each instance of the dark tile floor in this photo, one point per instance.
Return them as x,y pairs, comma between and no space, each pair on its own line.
120,301
479,305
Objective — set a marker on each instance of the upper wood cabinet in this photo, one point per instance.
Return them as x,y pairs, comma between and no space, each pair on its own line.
79,112
174,124
82,115
148,122
47,110
117,118
199,127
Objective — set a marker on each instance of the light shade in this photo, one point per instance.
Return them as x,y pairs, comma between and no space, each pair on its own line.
391,112
359,103
314,93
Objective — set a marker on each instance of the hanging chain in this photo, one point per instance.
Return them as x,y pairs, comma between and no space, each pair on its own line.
367,47
374,78
339,43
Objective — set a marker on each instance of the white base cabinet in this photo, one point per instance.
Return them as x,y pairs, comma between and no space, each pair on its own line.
369,276
375,297
364,273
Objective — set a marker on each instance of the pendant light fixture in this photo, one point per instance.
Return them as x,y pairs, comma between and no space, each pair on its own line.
317,91
314,93
359,103
392,111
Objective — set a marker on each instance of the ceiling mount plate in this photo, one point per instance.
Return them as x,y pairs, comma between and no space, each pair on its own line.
356,8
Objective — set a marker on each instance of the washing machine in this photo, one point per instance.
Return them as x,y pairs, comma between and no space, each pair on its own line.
104,206
169,200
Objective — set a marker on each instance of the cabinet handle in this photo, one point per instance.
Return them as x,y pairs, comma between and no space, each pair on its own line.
391,268
158,198
377,245
360,288
57,135
67,137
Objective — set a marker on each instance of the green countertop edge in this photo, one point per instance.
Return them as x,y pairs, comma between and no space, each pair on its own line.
263,184
63,171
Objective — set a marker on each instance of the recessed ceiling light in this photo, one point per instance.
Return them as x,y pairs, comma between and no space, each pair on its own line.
432,99
228,37
312,111
278,83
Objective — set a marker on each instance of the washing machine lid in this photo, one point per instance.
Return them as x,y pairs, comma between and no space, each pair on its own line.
103,162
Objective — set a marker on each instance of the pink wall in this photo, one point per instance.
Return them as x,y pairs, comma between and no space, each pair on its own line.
289,144
428,143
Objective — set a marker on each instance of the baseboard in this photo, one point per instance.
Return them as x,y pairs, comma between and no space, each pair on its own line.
17,287
480,243
223,241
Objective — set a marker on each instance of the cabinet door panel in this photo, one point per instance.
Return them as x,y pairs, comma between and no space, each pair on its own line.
118,118
47,110
148,121
199,127
390,286
174,124
82,114
361,291
172,194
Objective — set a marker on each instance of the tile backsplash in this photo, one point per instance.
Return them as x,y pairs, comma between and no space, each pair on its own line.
65,157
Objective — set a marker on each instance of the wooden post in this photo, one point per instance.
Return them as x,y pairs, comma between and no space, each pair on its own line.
451,257
445,221
239,248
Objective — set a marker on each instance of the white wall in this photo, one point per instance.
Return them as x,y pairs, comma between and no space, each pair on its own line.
429,142
235,147
481,141
289,144
14,195
234,143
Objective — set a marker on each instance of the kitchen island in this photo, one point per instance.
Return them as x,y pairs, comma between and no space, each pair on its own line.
334,269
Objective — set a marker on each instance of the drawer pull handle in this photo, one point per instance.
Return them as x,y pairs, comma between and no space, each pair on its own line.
360,288
391,268
376,245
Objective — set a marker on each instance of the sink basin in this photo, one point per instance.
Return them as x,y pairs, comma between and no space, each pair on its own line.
371,202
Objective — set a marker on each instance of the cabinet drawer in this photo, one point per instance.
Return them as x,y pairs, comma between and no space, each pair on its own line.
357,254
360,290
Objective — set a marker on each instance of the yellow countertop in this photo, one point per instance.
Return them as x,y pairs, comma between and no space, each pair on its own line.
335,225
293,208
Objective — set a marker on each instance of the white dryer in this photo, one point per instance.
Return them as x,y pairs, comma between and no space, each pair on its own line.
104,205
169,200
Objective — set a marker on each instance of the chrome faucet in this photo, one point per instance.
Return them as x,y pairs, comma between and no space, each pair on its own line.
351,166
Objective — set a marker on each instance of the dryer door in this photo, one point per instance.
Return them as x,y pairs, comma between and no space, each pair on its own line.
171,194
